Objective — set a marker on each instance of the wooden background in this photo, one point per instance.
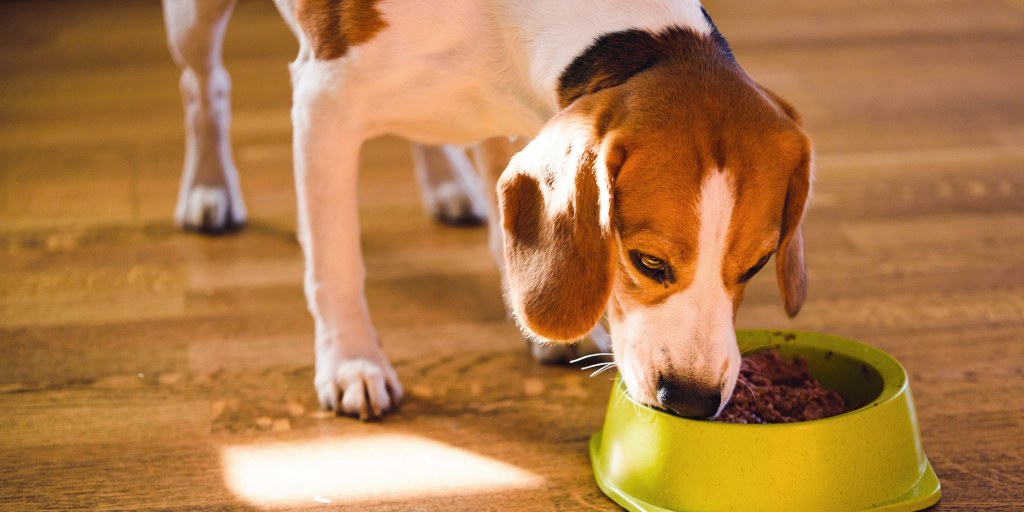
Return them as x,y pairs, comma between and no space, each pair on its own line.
143,368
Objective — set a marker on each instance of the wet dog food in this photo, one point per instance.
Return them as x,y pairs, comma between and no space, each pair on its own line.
774,389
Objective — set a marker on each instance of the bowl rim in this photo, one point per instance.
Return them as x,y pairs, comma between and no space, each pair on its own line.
846,346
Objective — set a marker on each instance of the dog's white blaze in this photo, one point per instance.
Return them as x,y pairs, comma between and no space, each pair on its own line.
706,301
691,332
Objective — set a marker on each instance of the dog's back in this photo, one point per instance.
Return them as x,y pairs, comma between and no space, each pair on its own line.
461,71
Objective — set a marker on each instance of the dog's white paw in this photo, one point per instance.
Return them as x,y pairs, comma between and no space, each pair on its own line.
359,387
455,206
209,209
596,342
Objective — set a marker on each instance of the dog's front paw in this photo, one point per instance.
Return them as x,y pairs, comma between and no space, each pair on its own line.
209,209
359,387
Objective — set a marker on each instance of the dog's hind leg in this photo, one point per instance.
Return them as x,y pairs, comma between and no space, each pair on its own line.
451,190
209,199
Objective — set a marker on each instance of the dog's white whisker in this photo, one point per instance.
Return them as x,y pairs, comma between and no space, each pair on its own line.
754,348
578,359
601,370
751,392
624,395
595,365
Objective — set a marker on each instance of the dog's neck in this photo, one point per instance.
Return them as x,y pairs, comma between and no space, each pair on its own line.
553,45
615,58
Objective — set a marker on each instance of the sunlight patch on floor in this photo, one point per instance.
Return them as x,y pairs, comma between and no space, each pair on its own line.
379,467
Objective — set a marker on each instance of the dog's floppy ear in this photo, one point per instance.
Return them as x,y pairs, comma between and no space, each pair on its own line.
790,267
556,202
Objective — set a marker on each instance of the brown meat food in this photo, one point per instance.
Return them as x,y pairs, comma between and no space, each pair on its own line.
773,389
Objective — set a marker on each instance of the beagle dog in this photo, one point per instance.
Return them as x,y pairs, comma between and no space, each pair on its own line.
651,176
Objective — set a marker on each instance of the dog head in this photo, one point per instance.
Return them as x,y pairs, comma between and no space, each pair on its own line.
656,199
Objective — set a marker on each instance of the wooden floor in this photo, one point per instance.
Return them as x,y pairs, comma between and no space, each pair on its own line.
143,368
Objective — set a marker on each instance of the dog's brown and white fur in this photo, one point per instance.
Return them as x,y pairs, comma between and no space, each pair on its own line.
659,179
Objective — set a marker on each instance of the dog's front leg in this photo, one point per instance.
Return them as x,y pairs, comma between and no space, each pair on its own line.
353,376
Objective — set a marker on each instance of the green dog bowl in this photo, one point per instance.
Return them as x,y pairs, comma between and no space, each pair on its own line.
867,459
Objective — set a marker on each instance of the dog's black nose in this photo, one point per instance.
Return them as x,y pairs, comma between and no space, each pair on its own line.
689,400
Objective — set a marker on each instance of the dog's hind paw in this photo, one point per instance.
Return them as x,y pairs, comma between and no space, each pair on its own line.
455,206
359,387
209,209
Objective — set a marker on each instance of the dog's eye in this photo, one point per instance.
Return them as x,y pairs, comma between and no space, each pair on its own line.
757,266
652,267
652,262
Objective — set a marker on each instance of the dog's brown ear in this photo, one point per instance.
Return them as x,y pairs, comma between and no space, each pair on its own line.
790,266
556,202
783,105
